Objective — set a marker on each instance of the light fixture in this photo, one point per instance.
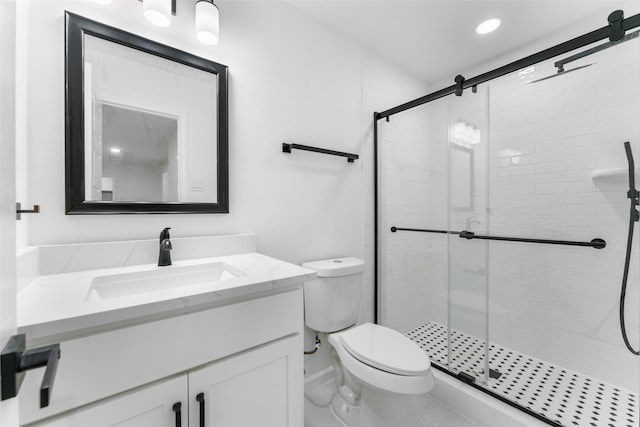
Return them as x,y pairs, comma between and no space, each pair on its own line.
207,22
459,130
488,26
465,134
158,12
468,134
115,150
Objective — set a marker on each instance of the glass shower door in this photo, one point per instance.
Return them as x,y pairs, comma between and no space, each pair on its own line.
467,213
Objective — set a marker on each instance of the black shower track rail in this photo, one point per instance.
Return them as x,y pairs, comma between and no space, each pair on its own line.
614,32
596,243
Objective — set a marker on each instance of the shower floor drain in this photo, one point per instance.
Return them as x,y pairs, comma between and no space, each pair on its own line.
565,397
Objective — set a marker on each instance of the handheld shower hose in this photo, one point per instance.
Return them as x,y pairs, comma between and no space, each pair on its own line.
634,216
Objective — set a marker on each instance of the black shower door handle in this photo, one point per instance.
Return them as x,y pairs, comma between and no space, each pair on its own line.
177,408
200,399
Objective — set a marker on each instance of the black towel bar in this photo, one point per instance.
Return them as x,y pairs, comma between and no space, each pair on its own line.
286,148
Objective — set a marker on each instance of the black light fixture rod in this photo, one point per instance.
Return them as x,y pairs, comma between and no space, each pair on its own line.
286,148
594,36
469,235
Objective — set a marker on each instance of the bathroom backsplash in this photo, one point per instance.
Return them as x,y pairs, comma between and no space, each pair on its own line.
56,259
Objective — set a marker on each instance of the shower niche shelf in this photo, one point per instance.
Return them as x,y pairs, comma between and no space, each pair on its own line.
612,174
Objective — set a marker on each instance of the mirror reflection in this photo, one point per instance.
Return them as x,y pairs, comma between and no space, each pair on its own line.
461,177
141,129
134,156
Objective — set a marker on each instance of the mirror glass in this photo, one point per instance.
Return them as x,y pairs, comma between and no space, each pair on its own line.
461,178
134,156
153,134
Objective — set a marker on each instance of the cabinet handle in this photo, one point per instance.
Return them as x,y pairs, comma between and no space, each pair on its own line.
200,398
177,408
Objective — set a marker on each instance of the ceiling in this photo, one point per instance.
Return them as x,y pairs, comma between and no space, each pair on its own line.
435,40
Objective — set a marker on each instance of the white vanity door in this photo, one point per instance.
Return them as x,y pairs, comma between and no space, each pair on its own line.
260,387
149,406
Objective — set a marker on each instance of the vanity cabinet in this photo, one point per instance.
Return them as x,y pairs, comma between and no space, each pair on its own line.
255,387
244,358
151,406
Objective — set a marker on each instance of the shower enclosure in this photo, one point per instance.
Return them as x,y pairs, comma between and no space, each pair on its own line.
502,224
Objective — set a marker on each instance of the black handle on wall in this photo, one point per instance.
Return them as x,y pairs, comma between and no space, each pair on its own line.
177,408
20,211
200,398
14,361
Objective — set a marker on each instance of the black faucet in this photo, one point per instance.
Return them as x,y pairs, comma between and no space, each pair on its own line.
165,248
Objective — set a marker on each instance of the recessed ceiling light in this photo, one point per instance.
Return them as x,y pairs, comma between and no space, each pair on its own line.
488,26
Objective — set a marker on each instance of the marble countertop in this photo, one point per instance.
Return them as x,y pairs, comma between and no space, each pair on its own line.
55,306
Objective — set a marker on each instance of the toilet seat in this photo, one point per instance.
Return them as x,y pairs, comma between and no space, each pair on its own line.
379,378
385,349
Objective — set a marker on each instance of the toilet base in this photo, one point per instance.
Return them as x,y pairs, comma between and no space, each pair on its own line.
376,409
345,412
383,409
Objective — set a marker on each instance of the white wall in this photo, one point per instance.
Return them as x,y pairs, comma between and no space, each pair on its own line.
403,148
290,80
135,180
383,86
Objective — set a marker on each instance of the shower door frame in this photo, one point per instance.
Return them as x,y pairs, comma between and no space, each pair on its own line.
614,32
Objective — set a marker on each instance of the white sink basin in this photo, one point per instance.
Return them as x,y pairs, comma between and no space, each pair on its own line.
160,279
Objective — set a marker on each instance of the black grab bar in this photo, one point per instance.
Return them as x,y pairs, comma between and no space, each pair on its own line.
469,235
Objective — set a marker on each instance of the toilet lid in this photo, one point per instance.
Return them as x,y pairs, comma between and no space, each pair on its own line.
385,349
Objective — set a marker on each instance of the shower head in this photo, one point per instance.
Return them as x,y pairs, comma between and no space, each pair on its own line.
561,63
561,71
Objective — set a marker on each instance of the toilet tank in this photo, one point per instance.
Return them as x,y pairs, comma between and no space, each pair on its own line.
332,300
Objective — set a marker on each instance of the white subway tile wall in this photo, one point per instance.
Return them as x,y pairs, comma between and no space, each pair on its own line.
560,303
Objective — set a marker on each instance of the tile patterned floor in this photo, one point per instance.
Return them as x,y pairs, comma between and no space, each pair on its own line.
565,397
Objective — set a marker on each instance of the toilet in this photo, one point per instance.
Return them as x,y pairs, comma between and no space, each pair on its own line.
377,369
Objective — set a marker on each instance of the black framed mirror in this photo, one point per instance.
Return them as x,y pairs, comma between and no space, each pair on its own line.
146,125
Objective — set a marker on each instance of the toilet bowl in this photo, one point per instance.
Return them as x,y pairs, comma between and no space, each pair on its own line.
377,369
381,369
